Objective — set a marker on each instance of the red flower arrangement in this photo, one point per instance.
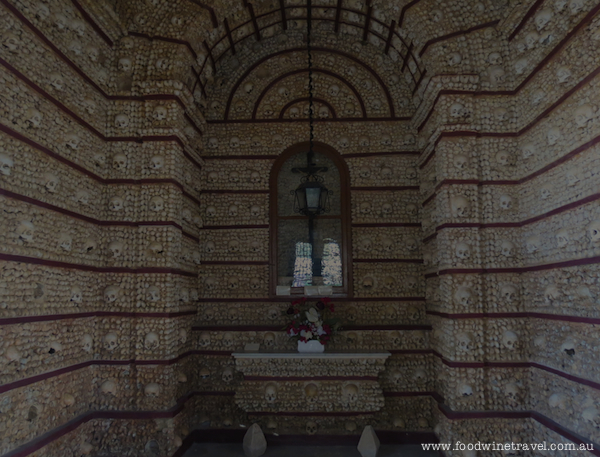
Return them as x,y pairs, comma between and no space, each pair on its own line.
311,322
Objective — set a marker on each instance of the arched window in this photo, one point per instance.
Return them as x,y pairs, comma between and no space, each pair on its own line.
309,256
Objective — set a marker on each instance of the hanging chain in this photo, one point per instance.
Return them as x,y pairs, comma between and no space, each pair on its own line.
310,75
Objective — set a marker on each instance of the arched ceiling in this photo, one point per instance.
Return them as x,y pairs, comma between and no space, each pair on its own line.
370,54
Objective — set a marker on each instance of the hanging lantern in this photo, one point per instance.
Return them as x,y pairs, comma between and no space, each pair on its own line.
311,196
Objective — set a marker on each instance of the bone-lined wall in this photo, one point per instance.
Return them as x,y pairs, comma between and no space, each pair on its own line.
136,146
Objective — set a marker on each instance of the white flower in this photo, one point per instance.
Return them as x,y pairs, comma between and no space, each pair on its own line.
312,315
308,335
320,330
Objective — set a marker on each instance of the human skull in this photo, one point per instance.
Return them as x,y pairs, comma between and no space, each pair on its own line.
120,162
593,230
389,282
65,242
152,390
6,164
521,65
51,182
311,392
121,121
350,394
111,294
457,110
461,162
563,74
234,246
528,150
436,15
501,114
323,112
560,5
151,341
92,52
511,390
87,343
33,117
228,340
542,18
268,111
411,243
210,283
42,12
575,6
365,208
82,196
124,65
157,162
271,392
116,204
227,375
368,283
413,313
453,59
153,294
583,115
386,140
366,244
546,192
233,211
211,211
386,208
532,244
508,293
213,143
352,337
57,81
411,209
463,342
462,250
234,142
553,135
562,238
156,204
463,296
387,244
506,202
558,401
344,142
496,74
108,388
507,248
89,245
364,172
459,206
255,283
255,211
255,177
537,96
510,340
212,177
111,341
25,231
204,339
503,158
269,339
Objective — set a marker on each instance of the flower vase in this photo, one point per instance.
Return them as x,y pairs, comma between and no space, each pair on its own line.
311,346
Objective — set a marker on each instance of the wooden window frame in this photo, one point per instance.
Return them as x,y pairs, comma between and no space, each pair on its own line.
345,217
